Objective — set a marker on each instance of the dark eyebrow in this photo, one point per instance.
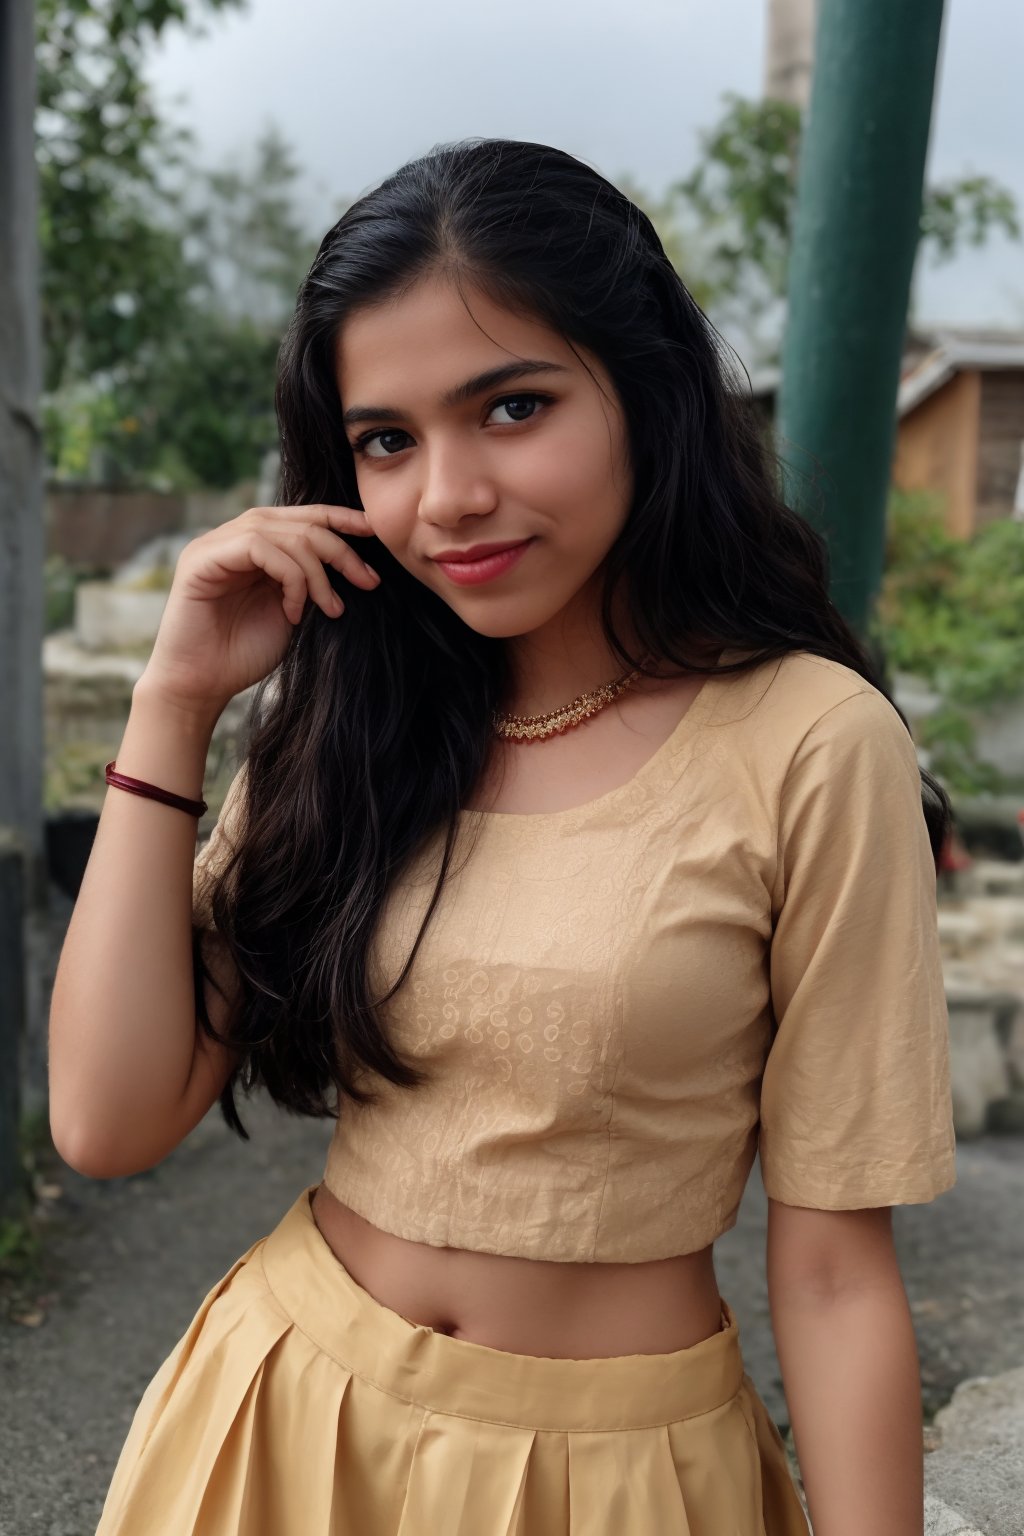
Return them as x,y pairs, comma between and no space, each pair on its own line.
461,393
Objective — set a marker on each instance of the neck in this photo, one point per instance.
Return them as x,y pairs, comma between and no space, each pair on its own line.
570,655
565,657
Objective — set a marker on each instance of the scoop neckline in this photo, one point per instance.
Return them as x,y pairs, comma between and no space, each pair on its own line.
650,768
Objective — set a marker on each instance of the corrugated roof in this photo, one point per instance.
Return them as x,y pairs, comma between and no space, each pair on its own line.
955,351
952,351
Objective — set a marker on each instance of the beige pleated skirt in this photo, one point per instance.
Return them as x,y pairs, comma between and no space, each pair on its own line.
295,1404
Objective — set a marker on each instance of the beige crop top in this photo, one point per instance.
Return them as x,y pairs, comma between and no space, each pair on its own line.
735,952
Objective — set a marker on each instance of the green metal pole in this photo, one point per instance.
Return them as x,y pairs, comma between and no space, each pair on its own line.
860,183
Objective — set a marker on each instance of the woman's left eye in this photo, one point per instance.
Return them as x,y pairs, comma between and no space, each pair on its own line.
519,399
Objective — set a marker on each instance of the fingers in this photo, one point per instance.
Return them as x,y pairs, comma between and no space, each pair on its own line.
333,550
299,546
331,547
305,553
348,519
289,573
352,519
306,543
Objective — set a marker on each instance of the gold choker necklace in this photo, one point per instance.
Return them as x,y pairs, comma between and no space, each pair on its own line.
536,727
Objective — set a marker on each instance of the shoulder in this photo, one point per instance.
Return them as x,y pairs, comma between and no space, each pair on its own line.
837,711
803,687
803,720
802,699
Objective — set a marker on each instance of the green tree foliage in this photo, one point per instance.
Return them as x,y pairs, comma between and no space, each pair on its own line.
211,415
209,390
165,286
247,236
734,213
743,193
949,611
112,273
966,212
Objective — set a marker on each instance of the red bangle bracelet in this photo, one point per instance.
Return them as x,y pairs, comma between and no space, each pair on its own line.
154,792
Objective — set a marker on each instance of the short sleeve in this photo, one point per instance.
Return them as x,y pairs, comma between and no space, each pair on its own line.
215,852
856,1106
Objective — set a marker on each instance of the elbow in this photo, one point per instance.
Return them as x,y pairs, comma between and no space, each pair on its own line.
76,1154
94,1160
819,1256
73,1145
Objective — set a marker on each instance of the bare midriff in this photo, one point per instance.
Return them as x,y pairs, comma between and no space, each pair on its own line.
535,1306
528,1306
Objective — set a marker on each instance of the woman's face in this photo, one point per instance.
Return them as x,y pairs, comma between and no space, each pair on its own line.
540,457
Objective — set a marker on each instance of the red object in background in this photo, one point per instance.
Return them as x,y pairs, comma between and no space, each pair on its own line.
954,855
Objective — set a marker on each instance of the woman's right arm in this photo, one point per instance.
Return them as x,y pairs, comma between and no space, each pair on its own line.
122,1033
130,1072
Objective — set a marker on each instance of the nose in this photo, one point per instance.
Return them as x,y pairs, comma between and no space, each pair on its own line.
455,486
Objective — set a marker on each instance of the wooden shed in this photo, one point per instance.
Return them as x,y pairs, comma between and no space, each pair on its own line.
961,427
960,432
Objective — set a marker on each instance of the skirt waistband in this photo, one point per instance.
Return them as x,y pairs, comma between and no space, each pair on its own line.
456,1376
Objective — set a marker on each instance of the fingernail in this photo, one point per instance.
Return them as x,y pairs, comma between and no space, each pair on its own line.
370,571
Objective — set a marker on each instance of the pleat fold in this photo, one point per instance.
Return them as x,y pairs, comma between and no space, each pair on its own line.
779,1504
625,1481
287,1421
190,1408
718,1475
466,1477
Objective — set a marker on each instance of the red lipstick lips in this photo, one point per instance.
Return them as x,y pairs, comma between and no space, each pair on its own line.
481,562
476,551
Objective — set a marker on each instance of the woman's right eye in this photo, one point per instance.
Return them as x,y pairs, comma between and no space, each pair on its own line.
361,443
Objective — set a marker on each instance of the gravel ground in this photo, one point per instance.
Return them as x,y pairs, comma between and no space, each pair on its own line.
127,1262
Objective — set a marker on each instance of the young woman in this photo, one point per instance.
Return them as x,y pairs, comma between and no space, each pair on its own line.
576,856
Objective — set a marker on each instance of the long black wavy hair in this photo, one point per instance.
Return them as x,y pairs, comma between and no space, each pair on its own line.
373,732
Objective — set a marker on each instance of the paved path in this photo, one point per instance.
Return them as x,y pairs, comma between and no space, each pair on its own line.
129,1260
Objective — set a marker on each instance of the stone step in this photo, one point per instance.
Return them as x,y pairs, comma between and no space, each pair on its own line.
986,1052
961,931
1002,915
994,877
975,1474
940,1520
971,925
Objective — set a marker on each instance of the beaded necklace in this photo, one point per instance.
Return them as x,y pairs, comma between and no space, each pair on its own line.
526,728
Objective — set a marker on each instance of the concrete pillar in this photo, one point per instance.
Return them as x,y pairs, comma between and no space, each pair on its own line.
789,50
22,1029
12,969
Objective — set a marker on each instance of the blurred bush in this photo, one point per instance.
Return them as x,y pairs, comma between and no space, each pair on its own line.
60,578
951,611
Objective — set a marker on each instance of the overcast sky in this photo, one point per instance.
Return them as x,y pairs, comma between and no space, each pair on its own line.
359,89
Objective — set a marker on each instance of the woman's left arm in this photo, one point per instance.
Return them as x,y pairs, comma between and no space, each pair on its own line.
846,1345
